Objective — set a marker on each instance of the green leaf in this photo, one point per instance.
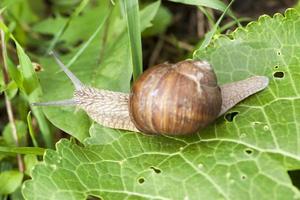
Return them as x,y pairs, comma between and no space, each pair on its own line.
27,82
33,91
21,132
11,89
10,181
17,194
65,5
150,167
87,43
134,35
215,4
30,79
246,158
30,161
160,22
7,3
148,15
74,33
13,71
31,130
211,33
2,10
58,34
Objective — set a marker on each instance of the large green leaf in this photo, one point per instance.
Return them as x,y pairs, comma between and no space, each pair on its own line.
246,158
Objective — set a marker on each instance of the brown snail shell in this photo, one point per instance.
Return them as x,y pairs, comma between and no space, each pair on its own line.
175,99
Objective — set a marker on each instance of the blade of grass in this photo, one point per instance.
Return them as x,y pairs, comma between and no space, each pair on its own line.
232,23
208,15
22,150
85,45
211,33
214,4
31,131
77,11
134,34
112,2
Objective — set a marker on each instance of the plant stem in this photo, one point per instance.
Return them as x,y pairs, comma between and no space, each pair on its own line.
7,101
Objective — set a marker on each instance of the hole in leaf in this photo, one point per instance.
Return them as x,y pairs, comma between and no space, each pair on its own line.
278,74
63,50
90,197
230,116
78,43
243,177
276,66
46,36
65,14
295,177
156,170
278,53
248,151
141,180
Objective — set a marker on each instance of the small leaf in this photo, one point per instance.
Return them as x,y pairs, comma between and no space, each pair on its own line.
10,181
147,15
30,79
30,161
11,89
21,132
134,34
59,33
160,22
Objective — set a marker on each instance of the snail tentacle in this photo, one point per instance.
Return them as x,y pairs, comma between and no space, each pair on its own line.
233,93
65,102
76,82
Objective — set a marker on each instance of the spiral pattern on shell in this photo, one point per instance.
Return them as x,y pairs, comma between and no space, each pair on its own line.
175,99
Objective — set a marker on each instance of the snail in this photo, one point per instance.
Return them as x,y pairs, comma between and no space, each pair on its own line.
172,99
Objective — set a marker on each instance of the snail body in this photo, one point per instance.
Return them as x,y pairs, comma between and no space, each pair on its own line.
172,99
